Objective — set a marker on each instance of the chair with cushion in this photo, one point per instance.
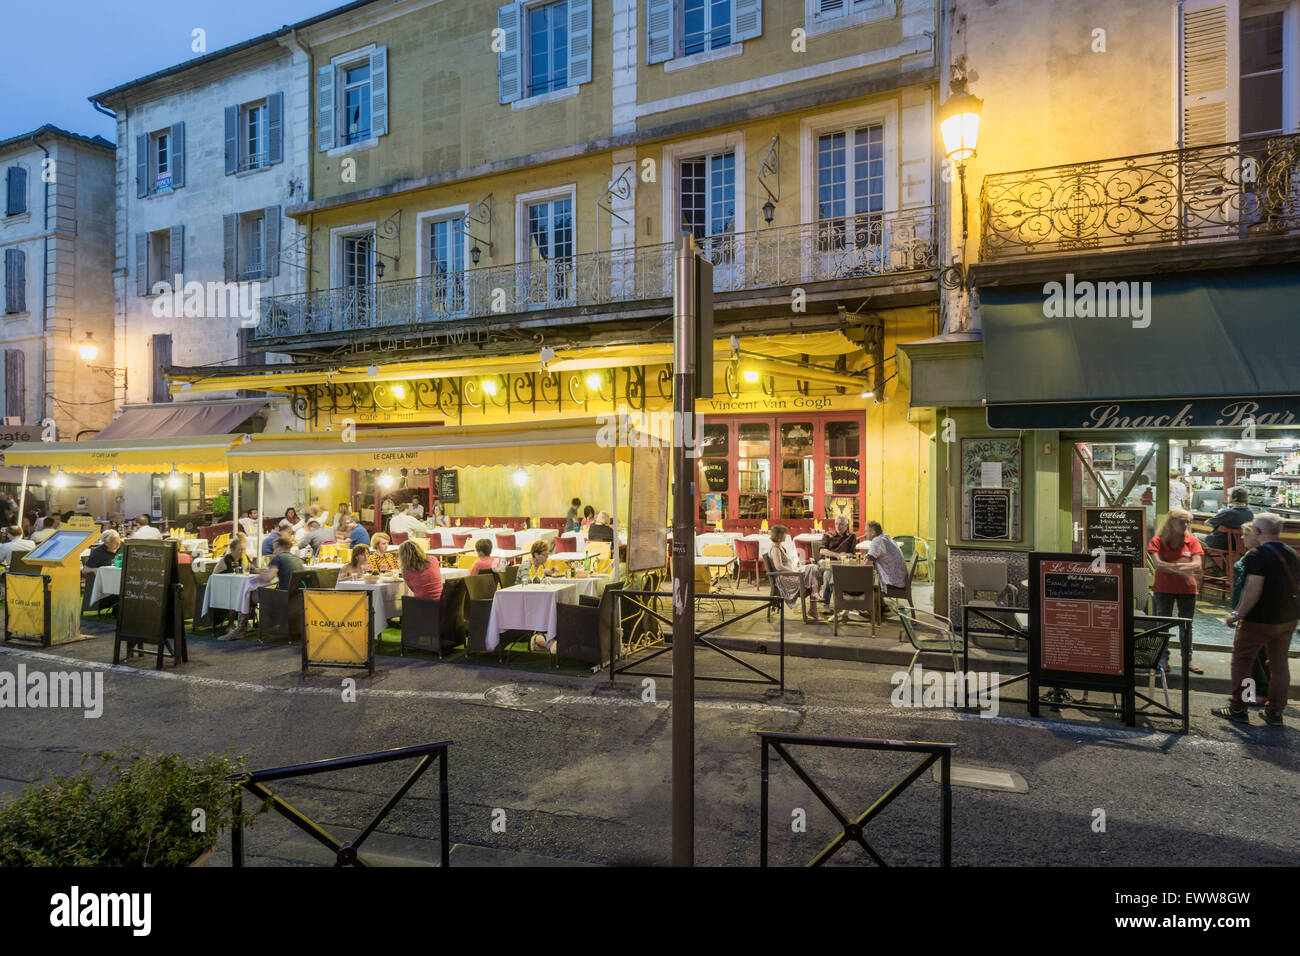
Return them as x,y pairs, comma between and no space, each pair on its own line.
506,542
280,612
588,633
215,615
773,576
397,537
804,550
1226,558
460,539
508,575
435,626
928,633
747,559
853,588
910,546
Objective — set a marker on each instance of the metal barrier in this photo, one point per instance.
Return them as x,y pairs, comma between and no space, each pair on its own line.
346,854
1144,626
855,830
648,609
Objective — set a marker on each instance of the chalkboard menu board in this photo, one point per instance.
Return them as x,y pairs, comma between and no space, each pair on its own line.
1115,531
448,483
148,603
990,514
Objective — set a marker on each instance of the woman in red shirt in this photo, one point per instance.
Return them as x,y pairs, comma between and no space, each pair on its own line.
420,574
1176,556
485,564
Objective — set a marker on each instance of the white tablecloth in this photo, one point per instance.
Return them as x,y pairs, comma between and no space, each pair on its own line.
230,591
108,580
528,607
387,602
474,534
716,537
577,541
524,539
765,544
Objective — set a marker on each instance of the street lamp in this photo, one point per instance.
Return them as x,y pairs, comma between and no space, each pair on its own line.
959,122
88,349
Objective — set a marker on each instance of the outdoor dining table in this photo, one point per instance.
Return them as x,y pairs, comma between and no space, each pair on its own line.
387,602
579,539
529,607
108,580
567,556
765,544
714,560
524,539
507,555
231,592
716,537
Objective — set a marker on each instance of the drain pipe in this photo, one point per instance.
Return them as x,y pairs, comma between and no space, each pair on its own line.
45,281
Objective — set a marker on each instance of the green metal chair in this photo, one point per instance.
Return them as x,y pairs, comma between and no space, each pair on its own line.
928,637
907,544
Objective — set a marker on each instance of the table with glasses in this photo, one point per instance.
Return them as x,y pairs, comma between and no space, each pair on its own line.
108,581
231,592
386,603
529,607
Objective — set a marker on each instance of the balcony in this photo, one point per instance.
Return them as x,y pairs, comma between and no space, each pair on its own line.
1186,197
865,247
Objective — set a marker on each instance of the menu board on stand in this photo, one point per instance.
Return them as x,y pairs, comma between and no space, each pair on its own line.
1081,626
1116,531
990,514
149,604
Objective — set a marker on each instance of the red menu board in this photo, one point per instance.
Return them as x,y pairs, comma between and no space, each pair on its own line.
1082,617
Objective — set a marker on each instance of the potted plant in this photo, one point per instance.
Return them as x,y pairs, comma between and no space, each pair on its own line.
128,807
220,508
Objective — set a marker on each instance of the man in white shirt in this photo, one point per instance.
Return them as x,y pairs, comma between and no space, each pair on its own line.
251,524
48,527
1178,492
14,542
888,560
144,531
404,523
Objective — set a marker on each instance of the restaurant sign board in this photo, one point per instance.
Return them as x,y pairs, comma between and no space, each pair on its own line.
448,485
1228,413
1115,531
990,514
336,629
1081,626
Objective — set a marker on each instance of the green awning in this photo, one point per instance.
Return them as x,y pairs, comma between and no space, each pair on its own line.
1190,350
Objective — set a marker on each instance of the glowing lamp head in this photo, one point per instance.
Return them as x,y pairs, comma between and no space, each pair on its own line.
959,123
593,381
399,391
60,480
114,481
173,480
521,478
489,386
319,480
750,375
386,480
88,349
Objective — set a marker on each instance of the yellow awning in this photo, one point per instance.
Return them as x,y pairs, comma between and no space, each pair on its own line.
785,346
579,441
206,453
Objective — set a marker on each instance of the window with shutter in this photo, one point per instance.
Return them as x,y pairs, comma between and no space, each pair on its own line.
162,357
271,241
1209,67
835,14
15,384
15,190
275,128
325,107
15,281
509,68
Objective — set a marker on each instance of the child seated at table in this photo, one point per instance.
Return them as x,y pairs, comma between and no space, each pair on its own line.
485,563
383,557
358,567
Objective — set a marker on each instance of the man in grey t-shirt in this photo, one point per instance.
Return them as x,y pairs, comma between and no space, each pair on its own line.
316,536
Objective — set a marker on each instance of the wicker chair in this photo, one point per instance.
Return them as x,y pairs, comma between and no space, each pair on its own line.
280,611
435,626
588,633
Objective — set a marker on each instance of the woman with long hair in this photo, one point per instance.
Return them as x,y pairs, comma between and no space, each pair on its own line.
421,575
790,586
357,568
1176,556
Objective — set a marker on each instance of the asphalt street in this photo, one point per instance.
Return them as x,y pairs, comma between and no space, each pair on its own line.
574,769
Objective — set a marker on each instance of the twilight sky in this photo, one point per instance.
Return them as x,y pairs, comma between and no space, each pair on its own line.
58,52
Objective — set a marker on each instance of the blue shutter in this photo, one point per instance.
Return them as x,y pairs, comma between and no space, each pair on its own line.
746,20
15,280
229,236
177,147
275,128
15,391
509,60
826,9
232,139
142,264
579,42
162,357
142,166
16,198
379,92
660,41
271,241
176,249
325,108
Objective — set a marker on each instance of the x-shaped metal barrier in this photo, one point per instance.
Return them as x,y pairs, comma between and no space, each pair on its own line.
854,830
345,854
762,602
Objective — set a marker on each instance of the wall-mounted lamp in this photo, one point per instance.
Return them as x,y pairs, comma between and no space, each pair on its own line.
481,213
750,375
770,169
959,123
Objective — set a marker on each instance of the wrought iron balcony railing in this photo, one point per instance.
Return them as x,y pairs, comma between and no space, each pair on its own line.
875,244
1232,190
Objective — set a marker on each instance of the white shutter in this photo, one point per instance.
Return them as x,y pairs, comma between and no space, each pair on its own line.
325,108
177,147
379,92
232,139
746,20
230,239
509,60
176,249
142,263
275,128
579,42
1209,71
271,241
660,40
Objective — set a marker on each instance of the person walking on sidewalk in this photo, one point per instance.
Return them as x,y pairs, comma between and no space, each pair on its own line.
1265,615
1176,556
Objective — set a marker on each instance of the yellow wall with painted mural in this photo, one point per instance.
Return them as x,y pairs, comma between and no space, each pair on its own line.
546,493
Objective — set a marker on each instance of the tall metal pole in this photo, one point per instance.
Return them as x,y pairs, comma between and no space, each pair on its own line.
683,712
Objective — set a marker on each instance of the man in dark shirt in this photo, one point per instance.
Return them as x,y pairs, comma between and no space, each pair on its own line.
268,542
1231,518
571,520
837,545
283,563
104,553
1265,616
